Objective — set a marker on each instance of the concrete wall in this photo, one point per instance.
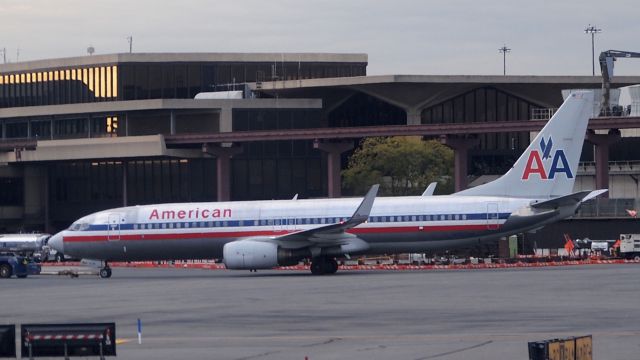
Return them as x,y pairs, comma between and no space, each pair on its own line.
35,182
9,214
148,123
197,122
32,215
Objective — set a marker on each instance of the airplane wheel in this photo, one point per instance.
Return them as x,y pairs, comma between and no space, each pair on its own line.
105,273
331,266
5,271
317,267
324,266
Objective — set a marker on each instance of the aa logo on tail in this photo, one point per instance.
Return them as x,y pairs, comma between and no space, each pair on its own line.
539,158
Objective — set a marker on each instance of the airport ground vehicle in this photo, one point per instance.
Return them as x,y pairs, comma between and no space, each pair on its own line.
33,245
47,254
630,246
23,244
20,266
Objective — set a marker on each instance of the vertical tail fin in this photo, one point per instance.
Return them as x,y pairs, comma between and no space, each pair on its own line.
548,167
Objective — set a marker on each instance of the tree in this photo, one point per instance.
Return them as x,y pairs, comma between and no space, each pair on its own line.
401,165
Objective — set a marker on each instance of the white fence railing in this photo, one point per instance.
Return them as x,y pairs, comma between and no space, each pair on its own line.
542,113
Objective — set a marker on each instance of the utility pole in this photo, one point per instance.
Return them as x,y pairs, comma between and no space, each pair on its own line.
4,55
504,50
591,29
130,40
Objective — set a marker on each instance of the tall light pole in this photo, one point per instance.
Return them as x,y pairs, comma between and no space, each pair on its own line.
504,50
591,29
130,40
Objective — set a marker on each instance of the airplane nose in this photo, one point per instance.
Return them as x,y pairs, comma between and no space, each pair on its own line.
56,243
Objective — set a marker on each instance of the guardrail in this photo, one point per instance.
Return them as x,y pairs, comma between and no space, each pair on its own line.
608,208
57,340
542,113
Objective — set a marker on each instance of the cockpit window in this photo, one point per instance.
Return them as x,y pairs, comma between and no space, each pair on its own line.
79,226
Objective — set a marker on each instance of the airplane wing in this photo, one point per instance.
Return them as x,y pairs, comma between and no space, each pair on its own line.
568,200
333,234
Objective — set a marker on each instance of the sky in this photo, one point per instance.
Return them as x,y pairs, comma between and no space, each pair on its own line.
401,36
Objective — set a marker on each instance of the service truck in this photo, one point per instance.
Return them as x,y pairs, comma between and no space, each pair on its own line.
630,246
20,266
23,244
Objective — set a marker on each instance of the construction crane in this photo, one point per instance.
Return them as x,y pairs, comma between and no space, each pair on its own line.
607,59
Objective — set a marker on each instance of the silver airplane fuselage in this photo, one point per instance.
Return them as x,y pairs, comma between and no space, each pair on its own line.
200,230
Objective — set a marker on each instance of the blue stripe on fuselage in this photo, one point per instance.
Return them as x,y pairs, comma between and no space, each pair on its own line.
390,219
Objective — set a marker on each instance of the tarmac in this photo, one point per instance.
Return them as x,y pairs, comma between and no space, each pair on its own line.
416,315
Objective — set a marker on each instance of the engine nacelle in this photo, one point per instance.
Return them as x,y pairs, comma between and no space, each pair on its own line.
252,254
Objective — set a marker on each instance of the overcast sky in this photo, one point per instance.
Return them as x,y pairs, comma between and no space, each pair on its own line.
400,36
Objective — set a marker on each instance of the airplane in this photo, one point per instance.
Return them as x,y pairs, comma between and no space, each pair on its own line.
254,235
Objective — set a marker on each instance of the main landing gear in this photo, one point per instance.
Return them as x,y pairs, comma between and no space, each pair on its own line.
323,266
105,272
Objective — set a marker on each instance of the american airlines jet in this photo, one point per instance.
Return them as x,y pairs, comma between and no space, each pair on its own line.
252,235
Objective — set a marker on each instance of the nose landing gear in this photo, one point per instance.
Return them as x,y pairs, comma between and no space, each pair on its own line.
105,272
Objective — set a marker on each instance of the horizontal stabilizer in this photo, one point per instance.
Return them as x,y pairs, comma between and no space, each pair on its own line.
594,193
567,200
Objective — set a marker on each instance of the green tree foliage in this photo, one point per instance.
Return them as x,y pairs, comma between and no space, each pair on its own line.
401,165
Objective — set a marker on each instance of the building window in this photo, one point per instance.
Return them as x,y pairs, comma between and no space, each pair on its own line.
112,125
11,192
17,130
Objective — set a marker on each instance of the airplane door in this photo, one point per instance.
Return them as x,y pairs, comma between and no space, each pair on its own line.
113,226
492,216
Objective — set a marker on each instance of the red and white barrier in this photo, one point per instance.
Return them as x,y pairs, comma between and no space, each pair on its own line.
217,266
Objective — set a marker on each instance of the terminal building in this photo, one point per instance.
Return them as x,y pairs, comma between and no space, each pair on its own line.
84,134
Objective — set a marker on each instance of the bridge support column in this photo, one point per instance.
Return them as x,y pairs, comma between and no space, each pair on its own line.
602,143
47,204
460,148
223,167
334,155
414,116
172,122
125,175
226,119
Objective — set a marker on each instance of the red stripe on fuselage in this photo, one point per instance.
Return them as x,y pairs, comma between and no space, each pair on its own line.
242,234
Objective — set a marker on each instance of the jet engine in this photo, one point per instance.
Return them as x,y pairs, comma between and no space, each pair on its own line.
254,254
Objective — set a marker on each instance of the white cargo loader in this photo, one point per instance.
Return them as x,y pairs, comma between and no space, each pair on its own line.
630,246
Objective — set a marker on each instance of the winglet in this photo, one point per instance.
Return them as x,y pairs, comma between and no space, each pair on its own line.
362,213
430,189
